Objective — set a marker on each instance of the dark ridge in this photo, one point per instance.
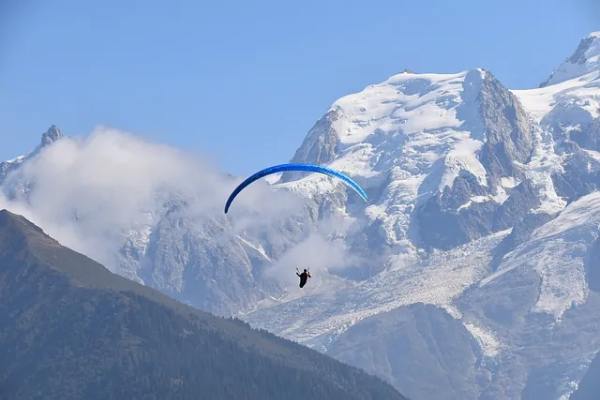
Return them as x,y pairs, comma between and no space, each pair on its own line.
70,329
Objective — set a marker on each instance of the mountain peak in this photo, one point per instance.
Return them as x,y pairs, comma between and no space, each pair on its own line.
588,50
53,134
50,136
584,60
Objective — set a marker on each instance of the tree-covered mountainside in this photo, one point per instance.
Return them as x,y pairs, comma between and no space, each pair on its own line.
70,329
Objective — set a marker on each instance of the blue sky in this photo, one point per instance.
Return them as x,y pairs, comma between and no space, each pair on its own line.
242,82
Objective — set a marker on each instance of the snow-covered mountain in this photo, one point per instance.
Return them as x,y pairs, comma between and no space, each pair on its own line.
470,274
483,226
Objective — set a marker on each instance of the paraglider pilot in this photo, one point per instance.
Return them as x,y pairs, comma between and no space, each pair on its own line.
303,277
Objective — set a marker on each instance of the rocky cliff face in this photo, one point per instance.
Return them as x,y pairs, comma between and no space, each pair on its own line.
509,139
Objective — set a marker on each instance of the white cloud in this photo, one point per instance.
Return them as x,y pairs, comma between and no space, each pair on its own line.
90,193
93,193
319,254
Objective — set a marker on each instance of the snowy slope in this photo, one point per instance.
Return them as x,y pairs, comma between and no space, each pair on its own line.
579,94
437,280
557,251
543,307
569,112
585,59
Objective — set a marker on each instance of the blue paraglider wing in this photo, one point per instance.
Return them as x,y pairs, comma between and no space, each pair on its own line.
295,167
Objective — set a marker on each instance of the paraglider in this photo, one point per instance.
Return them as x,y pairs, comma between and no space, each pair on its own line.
296,167
303,277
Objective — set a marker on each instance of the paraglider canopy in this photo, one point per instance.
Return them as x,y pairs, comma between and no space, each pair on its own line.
296,167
